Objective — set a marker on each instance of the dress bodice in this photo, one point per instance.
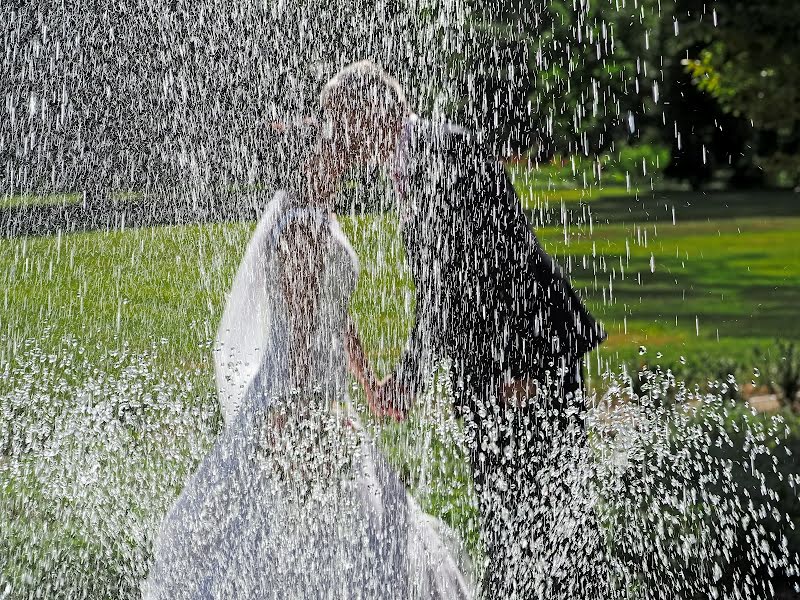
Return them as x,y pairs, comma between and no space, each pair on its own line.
253,341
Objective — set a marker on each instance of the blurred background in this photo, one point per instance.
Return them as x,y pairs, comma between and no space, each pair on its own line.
655,145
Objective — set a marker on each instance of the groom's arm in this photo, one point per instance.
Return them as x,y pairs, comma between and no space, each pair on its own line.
357,359
408,372
397,392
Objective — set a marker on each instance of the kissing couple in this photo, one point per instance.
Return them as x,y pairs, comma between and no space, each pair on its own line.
295,500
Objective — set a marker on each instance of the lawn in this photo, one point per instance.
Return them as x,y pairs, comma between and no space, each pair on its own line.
685,274
22,200
682,275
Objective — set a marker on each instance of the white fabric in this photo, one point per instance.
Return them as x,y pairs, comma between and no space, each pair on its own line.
245,321
243,527
252,335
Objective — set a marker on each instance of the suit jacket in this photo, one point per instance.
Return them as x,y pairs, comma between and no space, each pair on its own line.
487,294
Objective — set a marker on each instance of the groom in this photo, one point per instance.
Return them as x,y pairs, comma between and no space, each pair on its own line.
489,299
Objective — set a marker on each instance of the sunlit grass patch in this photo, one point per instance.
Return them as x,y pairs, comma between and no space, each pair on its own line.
31,200
533,198
130,285
714,271
711,281
715,282
24,200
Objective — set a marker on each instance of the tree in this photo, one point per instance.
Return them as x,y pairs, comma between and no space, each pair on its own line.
746,56
561,76
178,96
711,80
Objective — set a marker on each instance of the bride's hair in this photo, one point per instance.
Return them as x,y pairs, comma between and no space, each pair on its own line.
365,88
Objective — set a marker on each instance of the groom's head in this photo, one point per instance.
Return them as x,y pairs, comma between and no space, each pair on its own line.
364,109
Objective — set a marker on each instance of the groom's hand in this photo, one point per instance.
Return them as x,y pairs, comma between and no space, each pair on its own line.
391,399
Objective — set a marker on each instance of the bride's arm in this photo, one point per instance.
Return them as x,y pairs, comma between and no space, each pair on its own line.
357,359
362,371
300,258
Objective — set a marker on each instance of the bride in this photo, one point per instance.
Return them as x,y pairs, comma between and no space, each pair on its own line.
295,500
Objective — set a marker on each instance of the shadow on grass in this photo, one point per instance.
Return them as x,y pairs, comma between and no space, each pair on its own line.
30,219
688,206
726,303
49,219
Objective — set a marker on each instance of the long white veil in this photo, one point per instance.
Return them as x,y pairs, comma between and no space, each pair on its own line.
245,322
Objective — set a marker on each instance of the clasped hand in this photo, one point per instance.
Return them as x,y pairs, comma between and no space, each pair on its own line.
389,398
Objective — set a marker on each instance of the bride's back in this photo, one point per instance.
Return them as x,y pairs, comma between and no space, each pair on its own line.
253,346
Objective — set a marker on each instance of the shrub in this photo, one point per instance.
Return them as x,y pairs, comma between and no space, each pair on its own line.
719,375
780,365
643,160
777,490
698,497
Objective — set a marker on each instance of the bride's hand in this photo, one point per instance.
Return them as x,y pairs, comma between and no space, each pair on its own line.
390,399
371,394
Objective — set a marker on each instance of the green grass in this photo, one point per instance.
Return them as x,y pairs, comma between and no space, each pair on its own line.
627,171
57,199
545,185
533,198
728,266
20,200
166,287
142,285
731,261
137,285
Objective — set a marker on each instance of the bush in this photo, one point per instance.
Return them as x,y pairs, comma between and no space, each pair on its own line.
780,365
781,170
698,497
641,161
625,164
719,375
777,490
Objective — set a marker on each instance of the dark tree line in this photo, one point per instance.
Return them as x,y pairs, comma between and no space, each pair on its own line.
179,99
711,80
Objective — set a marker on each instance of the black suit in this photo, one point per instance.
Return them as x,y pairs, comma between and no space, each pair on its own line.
489,298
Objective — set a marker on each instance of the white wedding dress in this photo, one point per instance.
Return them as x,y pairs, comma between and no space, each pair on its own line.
314,510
